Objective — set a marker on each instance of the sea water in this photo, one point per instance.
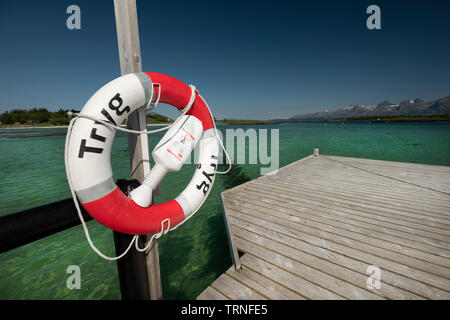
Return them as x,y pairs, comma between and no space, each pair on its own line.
32,173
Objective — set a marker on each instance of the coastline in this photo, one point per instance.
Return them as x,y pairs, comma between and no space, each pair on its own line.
65,126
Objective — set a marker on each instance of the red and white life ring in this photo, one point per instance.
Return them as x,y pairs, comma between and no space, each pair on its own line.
89,154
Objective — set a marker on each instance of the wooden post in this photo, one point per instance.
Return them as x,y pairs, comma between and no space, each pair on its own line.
233,250
130,62
316,151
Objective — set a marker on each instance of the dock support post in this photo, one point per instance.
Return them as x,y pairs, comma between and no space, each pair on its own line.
139,273
233,250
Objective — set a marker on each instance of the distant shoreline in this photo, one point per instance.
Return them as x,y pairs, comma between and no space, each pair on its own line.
247,122
16,127
433,118
221,122
398,118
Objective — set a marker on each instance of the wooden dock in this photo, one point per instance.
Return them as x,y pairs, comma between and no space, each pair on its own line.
312,230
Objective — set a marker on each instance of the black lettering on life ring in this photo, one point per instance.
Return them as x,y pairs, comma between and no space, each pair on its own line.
205,187
208,175
107,116
116,108
84,148
97,137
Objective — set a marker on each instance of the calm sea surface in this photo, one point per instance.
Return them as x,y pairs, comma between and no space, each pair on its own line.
32,173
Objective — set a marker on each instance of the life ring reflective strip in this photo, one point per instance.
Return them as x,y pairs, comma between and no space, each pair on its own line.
89,154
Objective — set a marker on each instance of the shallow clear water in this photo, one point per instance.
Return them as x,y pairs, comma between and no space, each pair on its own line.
32,173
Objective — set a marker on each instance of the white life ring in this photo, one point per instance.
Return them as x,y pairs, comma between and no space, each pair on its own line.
89,154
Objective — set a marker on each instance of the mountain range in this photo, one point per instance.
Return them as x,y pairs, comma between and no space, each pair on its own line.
385,108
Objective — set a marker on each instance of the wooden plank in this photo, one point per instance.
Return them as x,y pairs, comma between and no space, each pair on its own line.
377,171
419,222
296,163
287,279
348,170
349,258
377,192
329,233
398,175
403,245
399,198
430,235
314,227
317,278
343,202
211,294
349,283
130,62
308,200
326,240
405,173
396,190
345,172
287,204
407,214
385,163
390,281
263,285
235,289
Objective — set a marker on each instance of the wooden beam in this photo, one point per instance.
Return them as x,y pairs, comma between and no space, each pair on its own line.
130,62
233,250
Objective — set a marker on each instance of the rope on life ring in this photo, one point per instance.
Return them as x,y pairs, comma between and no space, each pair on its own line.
88,150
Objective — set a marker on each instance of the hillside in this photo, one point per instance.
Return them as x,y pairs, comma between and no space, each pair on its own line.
416,107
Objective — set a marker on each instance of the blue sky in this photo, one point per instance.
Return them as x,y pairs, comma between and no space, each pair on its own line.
249,59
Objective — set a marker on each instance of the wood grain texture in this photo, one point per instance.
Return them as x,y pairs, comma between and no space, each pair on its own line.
311,230
130,62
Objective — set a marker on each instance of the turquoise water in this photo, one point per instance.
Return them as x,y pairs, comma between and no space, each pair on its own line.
32,173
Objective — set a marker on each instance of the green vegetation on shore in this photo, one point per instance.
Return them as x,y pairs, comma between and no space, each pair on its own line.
155,118
42,117
34,116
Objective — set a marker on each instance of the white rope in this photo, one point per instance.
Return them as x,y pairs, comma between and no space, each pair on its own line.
77,205
135,238
220,140
156,235
150,103
145,131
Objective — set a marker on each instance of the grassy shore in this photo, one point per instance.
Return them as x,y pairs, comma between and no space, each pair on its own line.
44,126
30,126
42,118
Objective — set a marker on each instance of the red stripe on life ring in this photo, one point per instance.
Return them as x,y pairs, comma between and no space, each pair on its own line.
120,213
178,94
